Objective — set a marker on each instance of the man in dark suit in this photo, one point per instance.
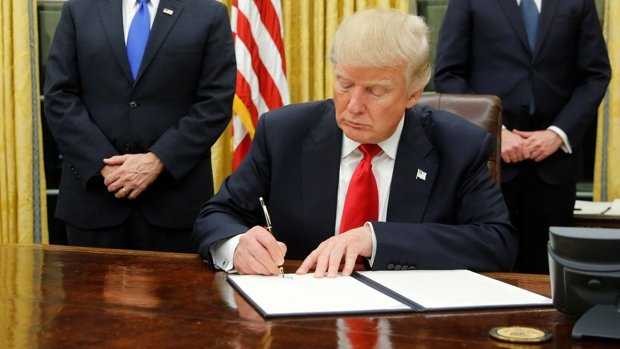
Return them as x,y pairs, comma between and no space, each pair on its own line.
438,206
136,143
547,61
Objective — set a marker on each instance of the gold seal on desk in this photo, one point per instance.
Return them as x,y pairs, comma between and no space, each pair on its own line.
519,334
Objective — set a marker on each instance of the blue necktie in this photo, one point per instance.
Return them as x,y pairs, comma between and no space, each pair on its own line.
138,36
530,19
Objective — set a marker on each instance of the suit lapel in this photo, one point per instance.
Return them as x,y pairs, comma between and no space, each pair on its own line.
320,173
547,12
415,171
112,19
513,14
161,26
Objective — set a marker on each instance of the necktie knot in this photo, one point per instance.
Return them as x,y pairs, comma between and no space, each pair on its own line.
143,2
369,150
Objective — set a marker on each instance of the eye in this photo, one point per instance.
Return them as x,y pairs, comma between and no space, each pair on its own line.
377,91
345,85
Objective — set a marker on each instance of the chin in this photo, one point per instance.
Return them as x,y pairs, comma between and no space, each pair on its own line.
356,135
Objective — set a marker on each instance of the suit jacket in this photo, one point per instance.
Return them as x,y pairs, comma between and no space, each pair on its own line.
176,108
454,218
483,48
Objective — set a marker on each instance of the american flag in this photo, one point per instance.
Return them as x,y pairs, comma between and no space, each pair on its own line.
261,67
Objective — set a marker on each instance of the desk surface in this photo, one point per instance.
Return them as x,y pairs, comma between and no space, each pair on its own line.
596,220
67,297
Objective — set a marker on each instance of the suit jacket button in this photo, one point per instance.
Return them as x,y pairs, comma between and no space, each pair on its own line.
412,267
397,267
390,266
133,104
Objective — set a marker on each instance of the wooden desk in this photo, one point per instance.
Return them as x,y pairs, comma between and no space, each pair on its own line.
596,220
67,297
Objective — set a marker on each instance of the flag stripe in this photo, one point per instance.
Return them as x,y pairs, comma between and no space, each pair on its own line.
261,68
249,83
247,112
263,34
271,19
267,86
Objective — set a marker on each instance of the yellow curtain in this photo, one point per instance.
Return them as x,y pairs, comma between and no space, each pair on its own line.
23,212
309,26
606,164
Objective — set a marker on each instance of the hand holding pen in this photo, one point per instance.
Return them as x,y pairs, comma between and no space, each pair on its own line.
268,225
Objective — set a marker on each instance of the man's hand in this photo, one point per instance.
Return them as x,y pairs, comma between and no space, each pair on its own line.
259,252
327,257
108,170
541,144
134,173
514,147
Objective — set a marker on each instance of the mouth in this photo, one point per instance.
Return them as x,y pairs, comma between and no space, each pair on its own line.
355,125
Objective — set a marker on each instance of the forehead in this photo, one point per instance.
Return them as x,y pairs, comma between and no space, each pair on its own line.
369,75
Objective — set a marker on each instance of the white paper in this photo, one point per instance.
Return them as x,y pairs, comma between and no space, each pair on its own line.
615,208
450,289
305,294
591,207
432,289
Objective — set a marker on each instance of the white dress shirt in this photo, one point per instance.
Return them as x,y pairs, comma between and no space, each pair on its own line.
130,7
382,168
537,2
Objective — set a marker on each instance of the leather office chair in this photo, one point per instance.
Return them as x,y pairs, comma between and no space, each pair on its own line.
483,110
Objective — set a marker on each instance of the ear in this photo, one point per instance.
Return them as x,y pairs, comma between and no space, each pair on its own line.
414,98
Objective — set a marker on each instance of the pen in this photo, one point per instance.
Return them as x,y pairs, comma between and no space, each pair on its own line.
268,222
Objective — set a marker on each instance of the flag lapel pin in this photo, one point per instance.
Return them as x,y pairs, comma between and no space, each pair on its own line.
168,11
421,175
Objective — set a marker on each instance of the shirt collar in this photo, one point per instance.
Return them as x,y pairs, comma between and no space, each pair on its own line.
537,2
131,3
389,146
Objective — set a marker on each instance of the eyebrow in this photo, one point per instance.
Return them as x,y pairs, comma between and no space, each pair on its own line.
373,83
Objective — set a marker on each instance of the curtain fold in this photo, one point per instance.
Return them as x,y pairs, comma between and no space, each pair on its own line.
309,26
606,164
23,207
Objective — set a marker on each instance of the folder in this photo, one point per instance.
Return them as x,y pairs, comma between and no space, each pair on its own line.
377,292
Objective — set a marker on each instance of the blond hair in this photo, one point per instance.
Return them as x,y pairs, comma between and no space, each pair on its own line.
385,38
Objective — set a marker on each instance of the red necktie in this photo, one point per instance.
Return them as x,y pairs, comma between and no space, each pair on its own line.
362,201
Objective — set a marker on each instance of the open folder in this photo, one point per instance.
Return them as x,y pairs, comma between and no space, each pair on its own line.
368,292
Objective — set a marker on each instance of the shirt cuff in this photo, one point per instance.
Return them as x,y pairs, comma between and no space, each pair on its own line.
565,143
223,252
371,260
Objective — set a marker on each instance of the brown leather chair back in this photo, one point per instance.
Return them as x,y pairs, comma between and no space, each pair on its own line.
483,110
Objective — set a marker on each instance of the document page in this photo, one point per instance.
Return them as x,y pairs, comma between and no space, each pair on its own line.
293,295
614,210
452,289
583,207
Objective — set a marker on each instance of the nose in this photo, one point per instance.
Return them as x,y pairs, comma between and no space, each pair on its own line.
357,103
